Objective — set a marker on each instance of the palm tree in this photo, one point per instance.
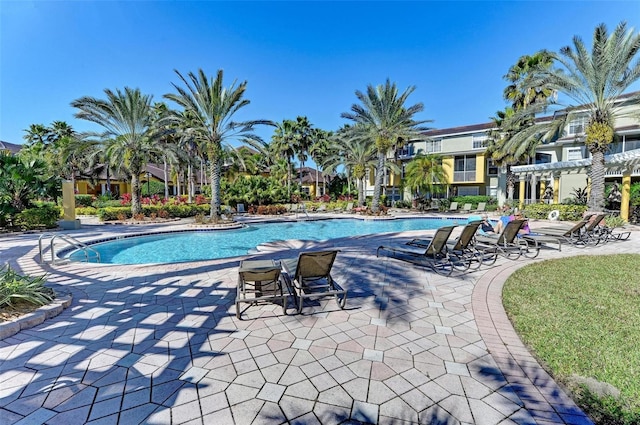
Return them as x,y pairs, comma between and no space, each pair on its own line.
424,173
283,144
520,92
127,117
387,123
595,81
212,107
356,155
319,150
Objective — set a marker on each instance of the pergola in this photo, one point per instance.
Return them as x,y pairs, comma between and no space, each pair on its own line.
626,163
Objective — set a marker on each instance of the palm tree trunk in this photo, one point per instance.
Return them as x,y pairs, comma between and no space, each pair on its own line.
215,171
190,183
361,192
596,196
136,207
165,170
375,203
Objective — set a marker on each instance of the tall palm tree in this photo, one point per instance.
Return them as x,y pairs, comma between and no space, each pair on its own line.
213,107
520,92
595,80
425,173
387,123
283,144
319,150
127,118
358,156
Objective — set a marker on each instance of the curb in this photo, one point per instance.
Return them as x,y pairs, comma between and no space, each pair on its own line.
49,311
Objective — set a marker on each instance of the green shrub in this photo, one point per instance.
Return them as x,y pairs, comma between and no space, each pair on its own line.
84,200
14,287
474,200
86,211
567,212
44,217
114,213
106,202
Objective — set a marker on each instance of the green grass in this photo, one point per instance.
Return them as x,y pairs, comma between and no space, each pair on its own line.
581,316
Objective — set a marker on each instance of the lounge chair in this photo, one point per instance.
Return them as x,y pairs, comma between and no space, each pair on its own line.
481,207
507,242
259,281
425,252
348,208
310,276
463,251
466,208
572,234
453,207
321,208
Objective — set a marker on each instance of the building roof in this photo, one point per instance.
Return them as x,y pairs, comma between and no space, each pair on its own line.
11,147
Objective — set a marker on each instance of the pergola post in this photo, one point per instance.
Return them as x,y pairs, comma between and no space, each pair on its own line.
556,188
543,188
522,190
626,194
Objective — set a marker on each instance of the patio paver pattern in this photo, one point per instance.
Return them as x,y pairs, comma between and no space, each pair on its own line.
160,344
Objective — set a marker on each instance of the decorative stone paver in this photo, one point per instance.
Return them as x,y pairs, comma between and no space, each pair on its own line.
161,344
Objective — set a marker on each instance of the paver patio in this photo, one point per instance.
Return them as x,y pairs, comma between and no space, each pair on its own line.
160,344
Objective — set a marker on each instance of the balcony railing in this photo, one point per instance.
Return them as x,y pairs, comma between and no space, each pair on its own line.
464,176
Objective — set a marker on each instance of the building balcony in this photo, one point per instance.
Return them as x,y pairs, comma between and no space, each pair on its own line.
464,176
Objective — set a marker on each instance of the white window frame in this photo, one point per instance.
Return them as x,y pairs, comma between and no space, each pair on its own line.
578,125
433,146
479,141
574,154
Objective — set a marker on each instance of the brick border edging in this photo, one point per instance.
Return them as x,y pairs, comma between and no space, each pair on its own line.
542,396
49,311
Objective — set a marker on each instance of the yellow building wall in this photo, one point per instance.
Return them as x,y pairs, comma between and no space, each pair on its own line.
447,165
481,163
82,187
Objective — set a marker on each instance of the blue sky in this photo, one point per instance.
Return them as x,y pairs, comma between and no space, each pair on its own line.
299,58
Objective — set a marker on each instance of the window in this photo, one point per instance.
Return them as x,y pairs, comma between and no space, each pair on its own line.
405,152
632,142
574,154
543,158
434,146
479,140
464,168
577,125
468,190
492,168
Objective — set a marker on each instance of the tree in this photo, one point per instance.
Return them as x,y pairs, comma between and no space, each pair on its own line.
387,123
212,107
595,80
127,117
319,150
424,173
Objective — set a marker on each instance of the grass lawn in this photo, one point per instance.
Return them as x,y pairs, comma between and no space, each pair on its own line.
581,316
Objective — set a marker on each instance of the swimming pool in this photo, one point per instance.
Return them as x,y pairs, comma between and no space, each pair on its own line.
175,247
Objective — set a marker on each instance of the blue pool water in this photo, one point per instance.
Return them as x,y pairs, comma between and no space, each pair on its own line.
200,245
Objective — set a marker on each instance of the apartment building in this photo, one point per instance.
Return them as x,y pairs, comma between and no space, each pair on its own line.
561,165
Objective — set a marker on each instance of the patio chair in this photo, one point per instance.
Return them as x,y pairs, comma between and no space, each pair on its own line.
453,207
310,276
240,209
507,242
321,208
466,208
431,253
574,235
482,206
259,281
348,208
457,248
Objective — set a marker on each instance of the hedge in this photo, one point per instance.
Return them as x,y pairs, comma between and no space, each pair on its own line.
567,212
84,200
46,217
162,211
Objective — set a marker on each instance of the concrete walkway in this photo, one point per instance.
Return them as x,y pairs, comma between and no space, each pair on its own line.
160,344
